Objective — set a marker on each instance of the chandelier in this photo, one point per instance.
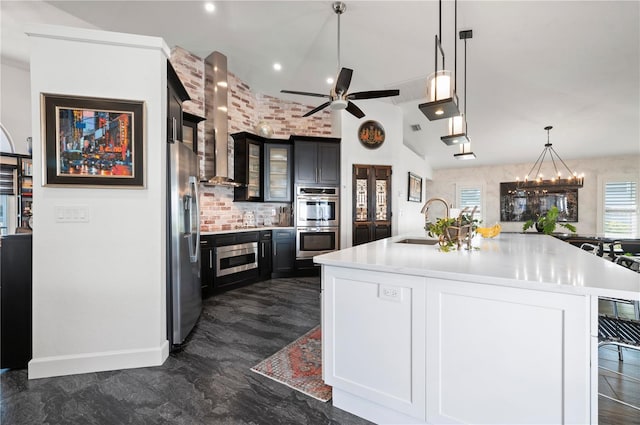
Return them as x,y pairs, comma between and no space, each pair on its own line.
536,179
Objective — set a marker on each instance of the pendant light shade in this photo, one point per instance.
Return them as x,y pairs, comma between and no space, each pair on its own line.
442,101
457,131
465,152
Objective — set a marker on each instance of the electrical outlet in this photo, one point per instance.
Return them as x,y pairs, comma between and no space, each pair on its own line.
273,211
391,293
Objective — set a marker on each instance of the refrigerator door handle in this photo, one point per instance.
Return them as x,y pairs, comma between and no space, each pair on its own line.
194,244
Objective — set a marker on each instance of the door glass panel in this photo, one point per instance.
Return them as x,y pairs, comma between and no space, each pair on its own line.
361,200
253,187
278,172
381,200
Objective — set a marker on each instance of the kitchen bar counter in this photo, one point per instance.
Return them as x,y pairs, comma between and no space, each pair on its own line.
531,261
507,333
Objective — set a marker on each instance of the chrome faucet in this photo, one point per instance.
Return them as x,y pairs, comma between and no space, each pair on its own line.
425,208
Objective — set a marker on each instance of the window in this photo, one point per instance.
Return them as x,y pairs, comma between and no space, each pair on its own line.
620,208
469,197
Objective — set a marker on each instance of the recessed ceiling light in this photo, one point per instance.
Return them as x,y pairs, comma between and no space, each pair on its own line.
277,66
209,7
329,80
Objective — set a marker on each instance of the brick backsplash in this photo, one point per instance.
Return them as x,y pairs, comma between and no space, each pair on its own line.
246,110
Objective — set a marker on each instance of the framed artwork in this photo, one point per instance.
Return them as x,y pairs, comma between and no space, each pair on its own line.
92,142
371,134
414,191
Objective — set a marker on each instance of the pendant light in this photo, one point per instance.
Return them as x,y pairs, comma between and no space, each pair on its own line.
458,124
537,179
465,152
442,100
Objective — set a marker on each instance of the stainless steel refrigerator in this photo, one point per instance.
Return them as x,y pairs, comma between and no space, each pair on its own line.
184,297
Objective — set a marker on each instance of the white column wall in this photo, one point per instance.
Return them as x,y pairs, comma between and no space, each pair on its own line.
99,288
406,217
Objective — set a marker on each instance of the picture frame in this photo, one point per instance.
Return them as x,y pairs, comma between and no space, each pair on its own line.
92,142
414,192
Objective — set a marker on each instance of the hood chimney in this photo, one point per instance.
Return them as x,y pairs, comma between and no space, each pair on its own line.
216,156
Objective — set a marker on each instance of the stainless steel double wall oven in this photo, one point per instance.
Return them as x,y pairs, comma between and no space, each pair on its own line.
317,217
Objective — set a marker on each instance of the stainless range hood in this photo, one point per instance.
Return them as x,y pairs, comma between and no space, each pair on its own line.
216,156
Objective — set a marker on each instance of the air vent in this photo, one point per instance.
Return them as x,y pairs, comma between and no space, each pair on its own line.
416,127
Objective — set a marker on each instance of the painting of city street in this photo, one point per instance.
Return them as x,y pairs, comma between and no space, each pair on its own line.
92,141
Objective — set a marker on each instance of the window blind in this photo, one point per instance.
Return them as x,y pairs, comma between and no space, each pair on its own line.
621,208
471,197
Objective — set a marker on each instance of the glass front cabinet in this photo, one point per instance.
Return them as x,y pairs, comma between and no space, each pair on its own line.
248,150
277,171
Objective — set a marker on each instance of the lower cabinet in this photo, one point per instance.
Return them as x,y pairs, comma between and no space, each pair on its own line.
410,349
207,264
284,253
264,255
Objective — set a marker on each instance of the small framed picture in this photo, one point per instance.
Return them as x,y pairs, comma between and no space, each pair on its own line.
92,142
415,188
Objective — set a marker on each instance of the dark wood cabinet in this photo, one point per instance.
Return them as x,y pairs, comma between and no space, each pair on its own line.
248,168
15,301
316,161
176,94
284,252
207,264
371,203
264,255
190,130
277,172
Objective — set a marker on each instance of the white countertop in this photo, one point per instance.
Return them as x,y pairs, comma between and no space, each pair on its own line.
247,229
529,261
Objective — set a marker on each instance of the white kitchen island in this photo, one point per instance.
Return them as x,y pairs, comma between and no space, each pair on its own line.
506,333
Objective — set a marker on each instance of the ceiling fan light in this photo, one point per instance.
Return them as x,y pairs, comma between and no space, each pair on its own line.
338,105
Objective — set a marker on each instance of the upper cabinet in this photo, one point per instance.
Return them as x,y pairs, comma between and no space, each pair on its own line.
317,160
248,169
176,94
277,172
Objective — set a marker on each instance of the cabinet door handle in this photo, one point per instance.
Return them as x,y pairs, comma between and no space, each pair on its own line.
211,259
174,129
275,249
317,179
262,247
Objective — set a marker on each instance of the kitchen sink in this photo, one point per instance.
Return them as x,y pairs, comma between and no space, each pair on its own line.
417,241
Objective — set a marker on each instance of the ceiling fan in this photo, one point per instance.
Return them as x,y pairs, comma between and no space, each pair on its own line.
338,96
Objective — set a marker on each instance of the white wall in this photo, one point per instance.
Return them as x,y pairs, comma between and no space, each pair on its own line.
15,109
595,170
406,217
99,287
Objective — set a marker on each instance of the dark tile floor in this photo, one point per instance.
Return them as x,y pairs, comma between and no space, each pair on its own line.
209,381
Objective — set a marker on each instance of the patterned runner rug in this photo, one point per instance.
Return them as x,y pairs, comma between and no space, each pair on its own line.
299,366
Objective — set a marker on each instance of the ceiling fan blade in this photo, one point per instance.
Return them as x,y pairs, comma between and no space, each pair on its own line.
319,108
354,110
374,94
344,80
304,93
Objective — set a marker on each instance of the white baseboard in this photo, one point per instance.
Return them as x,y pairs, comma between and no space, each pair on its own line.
46,367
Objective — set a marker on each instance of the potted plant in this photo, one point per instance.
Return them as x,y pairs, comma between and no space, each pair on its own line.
547,222
452,232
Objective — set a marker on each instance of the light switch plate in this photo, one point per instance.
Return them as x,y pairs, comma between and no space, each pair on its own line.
72,213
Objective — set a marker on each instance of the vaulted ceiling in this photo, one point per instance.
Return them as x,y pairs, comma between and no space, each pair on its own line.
571,64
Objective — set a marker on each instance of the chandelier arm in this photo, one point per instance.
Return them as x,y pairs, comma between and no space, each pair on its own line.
553,161
544,154
571,173
536,163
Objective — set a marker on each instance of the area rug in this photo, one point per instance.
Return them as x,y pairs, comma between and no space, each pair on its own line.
299,366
